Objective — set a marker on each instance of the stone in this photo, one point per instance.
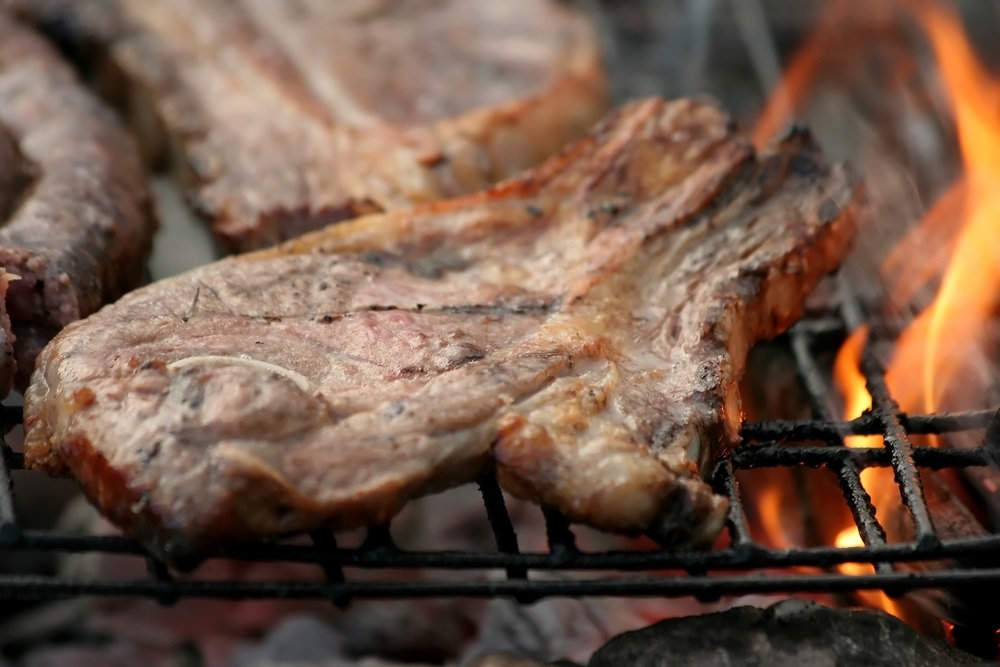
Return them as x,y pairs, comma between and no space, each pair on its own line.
505,659
795,633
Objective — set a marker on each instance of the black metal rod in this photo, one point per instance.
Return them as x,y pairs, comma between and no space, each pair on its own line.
911,488
158,573
726,484
378,538
813,379
608,560
774,455
826,430
31,587
558,532
991,439
500,523
326,542
847,470
862,510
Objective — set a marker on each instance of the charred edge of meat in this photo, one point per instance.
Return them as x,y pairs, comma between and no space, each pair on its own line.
796,155
125,505
279,225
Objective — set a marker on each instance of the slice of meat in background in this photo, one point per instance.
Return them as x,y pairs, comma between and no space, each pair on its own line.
583,325
282,117
77,223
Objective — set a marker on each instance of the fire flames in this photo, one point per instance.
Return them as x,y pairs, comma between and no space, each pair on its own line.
956,245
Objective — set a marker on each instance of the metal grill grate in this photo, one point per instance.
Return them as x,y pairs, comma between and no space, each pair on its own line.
737,569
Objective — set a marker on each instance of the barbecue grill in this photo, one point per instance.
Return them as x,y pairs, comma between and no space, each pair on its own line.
734,570
745,566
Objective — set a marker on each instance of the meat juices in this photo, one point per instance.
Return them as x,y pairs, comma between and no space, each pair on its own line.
77,223
580,327
314,112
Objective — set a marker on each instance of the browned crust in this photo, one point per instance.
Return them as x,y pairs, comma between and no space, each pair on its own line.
676,507
379,167
78,224
684,419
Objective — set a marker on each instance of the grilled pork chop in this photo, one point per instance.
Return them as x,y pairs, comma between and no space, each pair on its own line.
582,326
76,223
291,115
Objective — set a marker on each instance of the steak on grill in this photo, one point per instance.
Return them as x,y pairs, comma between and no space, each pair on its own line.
291,115
77,223
582,326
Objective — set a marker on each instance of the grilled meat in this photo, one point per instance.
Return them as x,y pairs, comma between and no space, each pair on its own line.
581,326
77,222
291,115
8,362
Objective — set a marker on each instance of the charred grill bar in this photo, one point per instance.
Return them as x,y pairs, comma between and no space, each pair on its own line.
733,570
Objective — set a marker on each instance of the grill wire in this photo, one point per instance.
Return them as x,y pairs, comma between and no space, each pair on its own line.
735,570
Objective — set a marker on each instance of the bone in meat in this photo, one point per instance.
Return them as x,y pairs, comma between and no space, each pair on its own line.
582,327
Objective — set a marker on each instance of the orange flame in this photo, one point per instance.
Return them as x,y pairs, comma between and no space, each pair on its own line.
968,292
799,75
824,51
958,242
851,383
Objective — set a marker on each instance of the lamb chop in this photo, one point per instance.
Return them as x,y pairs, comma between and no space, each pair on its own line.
580,327
77,223
287,116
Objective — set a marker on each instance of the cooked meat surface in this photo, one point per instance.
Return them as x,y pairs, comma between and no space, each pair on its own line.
8,363
582,326
291,115
76,219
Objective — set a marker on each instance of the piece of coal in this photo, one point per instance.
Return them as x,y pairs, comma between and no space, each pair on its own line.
796,633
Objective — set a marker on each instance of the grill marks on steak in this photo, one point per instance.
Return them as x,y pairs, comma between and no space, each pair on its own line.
582,327
314,112
76,219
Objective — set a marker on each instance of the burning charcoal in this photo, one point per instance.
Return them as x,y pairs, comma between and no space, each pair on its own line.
789,633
